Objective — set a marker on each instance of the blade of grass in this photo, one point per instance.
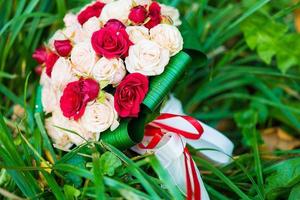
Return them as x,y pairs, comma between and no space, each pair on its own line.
98,177
224,178
136,171
44,135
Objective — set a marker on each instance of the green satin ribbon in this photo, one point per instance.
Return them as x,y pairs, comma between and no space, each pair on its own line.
38,101
131,131
161,85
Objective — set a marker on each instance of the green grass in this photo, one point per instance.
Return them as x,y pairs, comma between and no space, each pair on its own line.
235,86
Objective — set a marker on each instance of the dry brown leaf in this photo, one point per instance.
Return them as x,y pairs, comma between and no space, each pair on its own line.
277,138
18,112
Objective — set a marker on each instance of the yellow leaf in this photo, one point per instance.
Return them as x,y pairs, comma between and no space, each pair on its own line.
47,166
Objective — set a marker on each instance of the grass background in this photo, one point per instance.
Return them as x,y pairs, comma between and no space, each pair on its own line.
248,84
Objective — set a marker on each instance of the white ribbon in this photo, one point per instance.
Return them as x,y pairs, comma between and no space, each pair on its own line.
170,149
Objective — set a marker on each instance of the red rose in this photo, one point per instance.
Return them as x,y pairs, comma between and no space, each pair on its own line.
114,24
90,88
76,95
90,11
50,62
130,94
154,14
40,55
63,47
112,41
138,14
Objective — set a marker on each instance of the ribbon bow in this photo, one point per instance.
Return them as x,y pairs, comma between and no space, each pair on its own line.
167,137
155,133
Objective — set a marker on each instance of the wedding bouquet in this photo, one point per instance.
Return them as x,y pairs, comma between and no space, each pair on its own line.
96,70
105,76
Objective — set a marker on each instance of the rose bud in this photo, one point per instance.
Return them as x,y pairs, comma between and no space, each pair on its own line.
38,70
114,24
76,95
93,10
50,62
40,55
154,14
138,14
63,47
130,94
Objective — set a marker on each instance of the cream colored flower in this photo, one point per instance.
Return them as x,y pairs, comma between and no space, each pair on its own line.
172,13
61,129
100,116
73,29
58,35
148,58
83,58
91,26
70,19
167,36
50,98
116,10
111,70
45,79
65,132
137,33
59,138
62,74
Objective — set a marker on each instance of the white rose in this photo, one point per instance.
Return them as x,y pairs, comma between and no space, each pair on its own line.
168,37
111,70
83,58
116,10
45,79
74,133
70,19
147,58
60,139
50,98
58,35
172,13
73,29
99,117
62,73
137,33
91,26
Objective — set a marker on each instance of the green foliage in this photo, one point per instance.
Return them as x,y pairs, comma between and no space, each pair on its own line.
270,38
109,163
284,179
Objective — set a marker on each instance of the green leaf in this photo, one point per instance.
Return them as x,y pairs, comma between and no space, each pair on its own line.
98,177
71,193
246,119
285,175
295,193
71,177
109,163
270,38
